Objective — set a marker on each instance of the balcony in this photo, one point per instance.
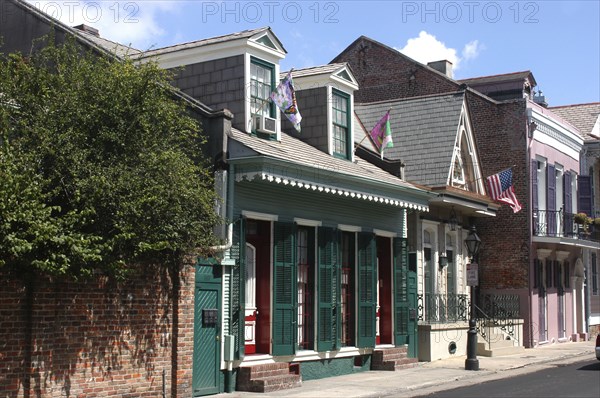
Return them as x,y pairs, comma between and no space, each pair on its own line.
443,308
557,224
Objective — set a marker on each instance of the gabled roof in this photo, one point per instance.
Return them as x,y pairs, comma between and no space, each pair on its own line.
103,46
246,34
316,70
118,49
585,117
424,131
304,156
396,52
315,76
500,78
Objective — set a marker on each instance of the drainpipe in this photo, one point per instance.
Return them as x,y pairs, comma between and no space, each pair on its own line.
229,213
220,249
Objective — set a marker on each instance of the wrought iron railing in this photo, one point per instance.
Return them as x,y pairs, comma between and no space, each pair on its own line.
500,306
556,223
442,308
499,311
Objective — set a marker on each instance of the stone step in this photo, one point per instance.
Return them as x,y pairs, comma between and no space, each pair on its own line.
498,342
397,364
276,383
499,351
267,378
265,370
388,356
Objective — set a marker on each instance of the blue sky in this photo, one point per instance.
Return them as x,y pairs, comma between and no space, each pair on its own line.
559,41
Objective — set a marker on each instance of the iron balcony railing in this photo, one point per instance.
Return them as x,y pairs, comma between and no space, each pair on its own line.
556,223
442,308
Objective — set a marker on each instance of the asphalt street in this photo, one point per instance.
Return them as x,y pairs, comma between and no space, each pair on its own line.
574,380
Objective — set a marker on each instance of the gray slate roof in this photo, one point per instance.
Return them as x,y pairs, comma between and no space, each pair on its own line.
424,130
296,151
314,70
505,77
205,42
582,116
120,50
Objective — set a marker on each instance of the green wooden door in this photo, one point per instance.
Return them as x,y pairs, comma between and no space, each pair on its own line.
367,289
285,287
207,328
405,299
329,290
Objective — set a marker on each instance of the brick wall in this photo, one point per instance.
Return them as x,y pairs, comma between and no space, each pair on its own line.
383,73
97,339
501,143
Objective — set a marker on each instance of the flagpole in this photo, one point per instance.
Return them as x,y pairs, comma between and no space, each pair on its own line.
266,100
485,178
366,135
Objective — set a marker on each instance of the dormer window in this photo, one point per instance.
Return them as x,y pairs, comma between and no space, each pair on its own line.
262,77
341,124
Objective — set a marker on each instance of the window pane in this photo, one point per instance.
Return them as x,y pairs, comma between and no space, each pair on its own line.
340,124
260,89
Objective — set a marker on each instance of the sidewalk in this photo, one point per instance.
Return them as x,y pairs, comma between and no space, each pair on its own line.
433,376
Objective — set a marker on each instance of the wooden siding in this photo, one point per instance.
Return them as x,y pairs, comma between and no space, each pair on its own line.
291,202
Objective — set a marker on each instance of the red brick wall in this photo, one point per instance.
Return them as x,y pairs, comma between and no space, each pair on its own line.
384,73
97,339
500,137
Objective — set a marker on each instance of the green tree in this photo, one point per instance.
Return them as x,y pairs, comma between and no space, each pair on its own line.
101,167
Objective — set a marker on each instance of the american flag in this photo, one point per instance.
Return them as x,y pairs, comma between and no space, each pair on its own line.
501,189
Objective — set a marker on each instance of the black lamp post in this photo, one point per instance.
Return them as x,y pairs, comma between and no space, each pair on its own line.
473,244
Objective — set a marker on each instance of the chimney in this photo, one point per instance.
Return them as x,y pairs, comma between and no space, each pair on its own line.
443,66
88,29
540,99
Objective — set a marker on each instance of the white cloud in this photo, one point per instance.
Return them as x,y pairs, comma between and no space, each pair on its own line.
472,49
134,23
427,48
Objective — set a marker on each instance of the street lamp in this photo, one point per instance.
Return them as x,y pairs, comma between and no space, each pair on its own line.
473,244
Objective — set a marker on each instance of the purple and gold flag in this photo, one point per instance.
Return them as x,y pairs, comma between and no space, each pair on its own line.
382,134
285,99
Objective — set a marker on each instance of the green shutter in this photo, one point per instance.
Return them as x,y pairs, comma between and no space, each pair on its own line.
328,285
367,289
238,285
284,289
401,305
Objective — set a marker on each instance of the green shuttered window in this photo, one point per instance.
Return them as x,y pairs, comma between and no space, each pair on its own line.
284,286
328,285
367,289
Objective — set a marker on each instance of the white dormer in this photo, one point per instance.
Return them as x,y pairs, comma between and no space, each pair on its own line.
465,172
335,85
236,71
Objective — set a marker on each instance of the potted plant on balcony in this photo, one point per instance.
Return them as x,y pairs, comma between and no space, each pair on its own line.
584,220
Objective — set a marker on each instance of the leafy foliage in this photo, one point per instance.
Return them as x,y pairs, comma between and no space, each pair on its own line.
100,166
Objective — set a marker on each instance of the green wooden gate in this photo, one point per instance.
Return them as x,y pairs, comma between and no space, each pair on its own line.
405,299
207,328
